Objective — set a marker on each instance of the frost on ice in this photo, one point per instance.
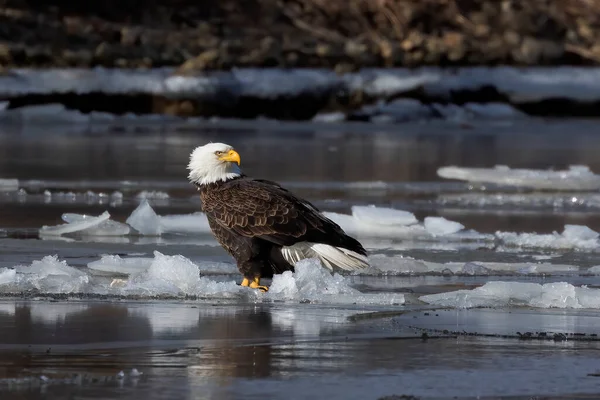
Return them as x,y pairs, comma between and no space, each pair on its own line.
577,177
501,294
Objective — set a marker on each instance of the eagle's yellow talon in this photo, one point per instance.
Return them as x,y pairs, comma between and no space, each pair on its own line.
255,284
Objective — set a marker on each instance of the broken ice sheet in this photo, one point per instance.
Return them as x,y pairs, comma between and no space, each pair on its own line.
439,226
572,237
402,265
104,228
145,220
80,225
48,275
312,282
115,265
9,185
502,294
577,177
383,216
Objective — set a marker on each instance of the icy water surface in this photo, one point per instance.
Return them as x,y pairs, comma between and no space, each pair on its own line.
484,283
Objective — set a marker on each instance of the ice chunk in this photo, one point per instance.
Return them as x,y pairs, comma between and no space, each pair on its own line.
177,275
398,110
330,117
472,268
312,282
577,177
7,275
439,226
494,110
407,265
145,194
352,225
383,216
522,200
144,220
399,265
595,270
185,223
113,264
49,265
49,275
9,185
579,232
106,228
56,113
501,294
85,223
573,237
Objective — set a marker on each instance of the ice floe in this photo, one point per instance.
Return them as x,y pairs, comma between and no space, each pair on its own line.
312,282
152,194
178,276
577,177
518,84
502,294
114,265
573,237
406,109
435,85
521,201
365,222
9,185
401,265
145,220
81,224
370,221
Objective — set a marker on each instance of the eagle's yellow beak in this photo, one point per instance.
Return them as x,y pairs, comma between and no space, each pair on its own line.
231,156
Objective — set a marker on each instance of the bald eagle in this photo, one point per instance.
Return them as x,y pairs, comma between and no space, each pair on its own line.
266,228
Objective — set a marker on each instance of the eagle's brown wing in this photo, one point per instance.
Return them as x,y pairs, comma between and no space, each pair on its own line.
265,210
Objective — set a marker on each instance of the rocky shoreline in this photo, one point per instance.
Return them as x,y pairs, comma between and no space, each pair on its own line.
341,35
208,43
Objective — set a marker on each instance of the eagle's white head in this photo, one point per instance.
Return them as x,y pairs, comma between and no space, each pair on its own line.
212,163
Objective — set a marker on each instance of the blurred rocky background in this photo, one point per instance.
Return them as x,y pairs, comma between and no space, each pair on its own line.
339,34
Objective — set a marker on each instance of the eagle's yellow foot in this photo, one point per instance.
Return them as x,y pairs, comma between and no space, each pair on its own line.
255,284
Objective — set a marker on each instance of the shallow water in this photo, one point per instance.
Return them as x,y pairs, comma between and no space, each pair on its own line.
233,344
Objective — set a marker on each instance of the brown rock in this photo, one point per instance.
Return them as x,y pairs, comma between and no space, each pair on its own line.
534,51
205,60
5,55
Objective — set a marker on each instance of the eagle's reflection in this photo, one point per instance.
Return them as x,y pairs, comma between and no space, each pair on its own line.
209,341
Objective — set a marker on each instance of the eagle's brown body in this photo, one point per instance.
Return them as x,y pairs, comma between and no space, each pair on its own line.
254,219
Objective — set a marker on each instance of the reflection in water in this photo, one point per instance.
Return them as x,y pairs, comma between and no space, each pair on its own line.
401,154
198,350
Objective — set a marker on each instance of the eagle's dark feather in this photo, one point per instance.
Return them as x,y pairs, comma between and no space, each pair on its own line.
252,219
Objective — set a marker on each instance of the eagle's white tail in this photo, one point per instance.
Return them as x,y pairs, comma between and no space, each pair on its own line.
330,256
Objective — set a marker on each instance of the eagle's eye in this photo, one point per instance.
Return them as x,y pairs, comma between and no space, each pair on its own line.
219,153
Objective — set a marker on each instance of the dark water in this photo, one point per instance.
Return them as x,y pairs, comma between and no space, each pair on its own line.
214,351
61,347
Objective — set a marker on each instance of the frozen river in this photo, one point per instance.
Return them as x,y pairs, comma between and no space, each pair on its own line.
485,280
